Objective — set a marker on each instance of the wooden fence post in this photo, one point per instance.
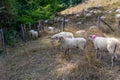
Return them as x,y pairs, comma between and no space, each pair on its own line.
99,19
23,32
63,23
29,26
3,41
118,25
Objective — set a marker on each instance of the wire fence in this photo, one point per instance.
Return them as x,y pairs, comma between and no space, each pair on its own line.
40,26
101,20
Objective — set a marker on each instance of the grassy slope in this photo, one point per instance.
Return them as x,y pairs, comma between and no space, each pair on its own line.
39,60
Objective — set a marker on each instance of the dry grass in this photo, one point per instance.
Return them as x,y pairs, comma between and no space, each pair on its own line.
113,4
39,60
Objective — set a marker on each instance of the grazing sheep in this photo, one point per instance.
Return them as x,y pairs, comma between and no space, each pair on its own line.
69,43
63,34
66,34
55,37
109,44
33,34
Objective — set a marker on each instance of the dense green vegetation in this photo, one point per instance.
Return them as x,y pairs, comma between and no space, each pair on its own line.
15,12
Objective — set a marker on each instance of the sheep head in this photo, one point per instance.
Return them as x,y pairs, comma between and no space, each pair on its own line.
53,39
92,37
60,39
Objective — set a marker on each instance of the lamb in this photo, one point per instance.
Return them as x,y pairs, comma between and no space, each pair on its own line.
69,43
109,44
33,34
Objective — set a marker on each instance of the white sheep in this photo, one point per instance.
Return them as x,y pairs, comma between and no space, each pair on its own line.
33,34
102,43
69,43
63,34
66,34
55,37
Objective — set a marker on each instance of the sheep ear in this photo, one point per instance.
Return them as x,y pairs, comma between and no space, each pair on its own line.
94,36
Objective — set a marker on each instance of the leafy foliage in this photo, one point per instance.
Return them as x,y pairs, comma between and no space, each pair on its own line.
14,12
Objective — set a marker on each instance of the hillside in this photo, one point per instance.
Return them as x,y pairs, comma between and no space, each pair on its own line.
40,60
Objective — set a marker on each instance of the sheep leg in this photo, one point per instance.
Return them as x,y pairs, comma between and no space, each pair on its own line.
66,51
69,50
116,56
96,55
100,54
113,60
81,52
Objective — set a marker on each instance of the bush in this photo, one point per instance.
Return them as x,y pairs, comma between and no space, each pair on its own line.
10,36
